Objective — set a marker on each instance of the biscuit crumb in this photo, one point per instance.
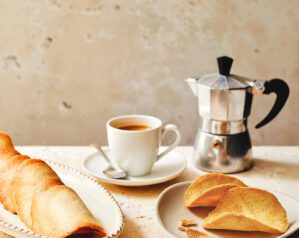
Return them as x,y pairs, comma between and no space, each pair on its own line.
187,222
180,228
191,233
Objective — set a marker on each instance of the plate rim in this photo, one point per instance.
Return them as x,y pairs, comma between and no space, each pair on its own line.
130,183
32,234
158,218
161,225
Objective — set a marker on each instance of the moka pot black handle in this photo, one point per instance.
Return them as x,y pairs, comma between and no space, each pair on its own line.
281,89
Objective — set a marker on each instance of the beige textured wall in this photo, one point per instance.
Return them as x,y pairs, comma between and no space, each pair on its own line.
67,66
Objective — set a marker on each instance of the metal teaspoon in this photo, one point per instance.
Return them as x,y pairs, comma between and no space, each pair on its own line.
110,171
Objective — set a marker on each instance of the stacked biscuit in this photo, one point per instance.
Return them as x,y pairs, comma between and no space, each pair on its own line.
33,191
238,207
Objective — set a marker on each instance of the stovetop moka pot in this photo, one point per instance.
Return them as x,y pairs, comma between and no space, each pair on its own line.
223,143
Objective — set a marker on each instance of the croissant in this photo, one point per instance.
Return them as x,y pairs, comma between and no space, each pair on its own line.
31,189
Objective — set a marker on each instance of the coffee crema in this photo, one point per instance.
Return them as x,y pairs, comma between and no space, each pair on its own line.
137,127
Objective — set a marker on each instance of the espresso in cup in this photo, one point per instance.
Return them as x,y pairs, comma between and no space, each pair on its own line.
134,141
133,127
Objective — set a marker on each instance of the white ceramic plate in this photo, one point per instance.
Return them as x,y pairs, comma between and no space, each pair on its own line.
169,167
99,201
168,218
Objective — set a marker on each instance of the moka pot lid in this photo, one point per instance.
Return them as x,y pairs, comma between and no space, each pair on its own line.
224,80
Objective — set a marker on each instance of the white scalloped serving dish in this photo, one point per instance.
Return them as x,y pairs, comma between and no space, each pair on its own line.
99,201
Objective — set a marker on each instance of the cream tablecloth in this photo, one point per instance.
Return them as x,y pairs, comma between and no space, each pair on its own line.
276,168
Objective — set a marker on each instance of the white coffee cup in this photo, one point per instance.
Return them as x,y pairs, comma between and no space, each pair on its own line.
136,151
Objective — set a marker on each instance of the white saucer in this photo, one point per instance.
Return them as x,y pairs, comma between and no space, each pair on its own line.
172,197
169,167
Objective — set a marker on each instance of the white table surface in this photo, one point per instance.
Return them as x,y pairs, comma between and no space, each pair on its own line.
276,168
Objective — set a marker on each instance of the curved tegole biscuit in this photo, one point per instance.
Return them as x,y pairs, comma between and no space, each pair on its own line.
8,170
30,173
248,209
6,146
10,159
50,209
40,188
208,189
